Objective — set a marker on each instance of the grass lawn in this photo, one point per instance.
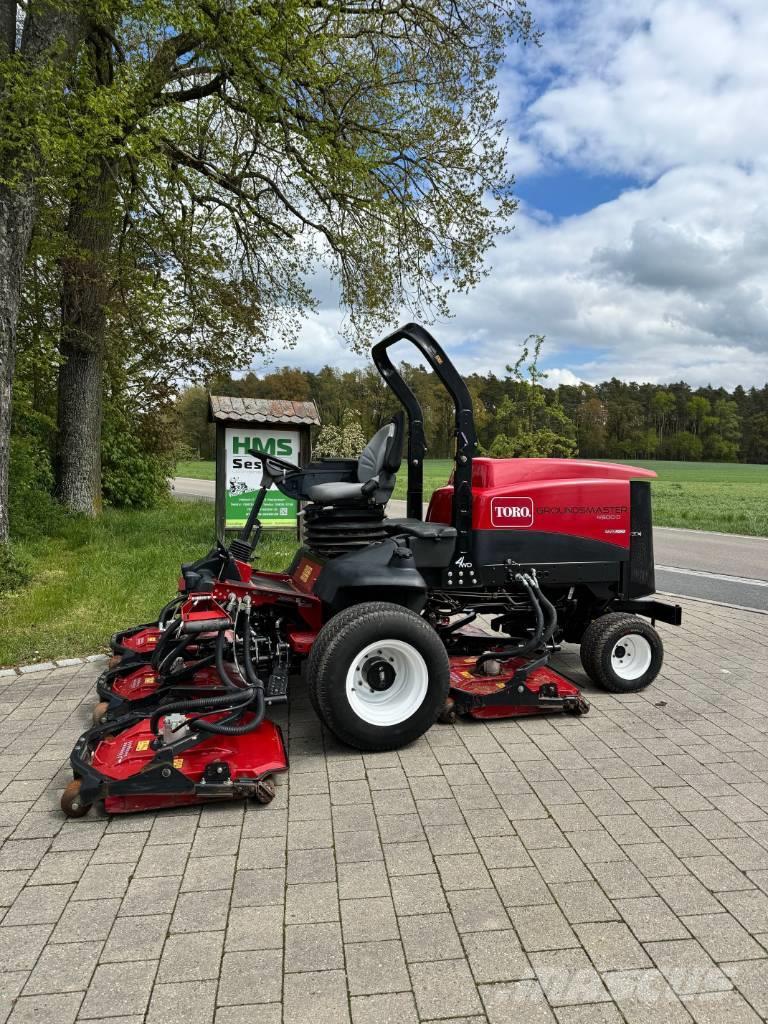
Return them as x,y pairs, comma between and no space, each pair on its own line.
95,577
724,496
197,470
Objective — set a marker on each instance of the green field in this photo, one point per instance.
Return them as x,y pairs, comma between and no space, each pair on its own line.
94,577
723,496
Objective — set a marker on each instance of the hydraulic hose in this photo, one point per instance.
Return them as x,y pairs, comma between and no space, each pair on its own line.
170,607
221,667
530,645
222,702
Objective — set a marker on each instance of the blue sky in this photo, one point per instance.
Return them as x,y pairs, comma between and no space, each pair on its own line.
639,141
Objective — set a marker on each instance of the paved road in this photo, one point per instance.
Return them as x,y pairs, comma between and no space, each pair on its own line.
607,868
693,563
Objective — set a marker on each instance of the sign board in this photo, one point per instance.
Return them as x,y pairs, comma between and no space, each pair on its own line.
243,474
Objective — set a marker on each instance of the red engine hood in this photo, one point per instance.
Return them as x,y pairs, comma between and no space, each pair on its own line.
492,473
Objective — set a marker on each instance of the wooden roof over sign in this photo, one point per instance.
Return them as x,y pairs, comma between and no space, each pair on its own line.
225,409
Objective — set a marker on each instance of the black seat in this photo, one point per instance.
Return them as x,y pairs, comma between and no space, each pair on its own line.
420,530
370,480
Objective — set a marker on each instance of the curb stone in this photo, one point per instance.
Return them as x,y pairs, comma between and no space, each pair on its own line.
47,666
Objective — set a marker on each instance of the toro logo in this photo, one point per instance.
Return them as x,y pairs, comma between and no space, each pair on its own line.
512,512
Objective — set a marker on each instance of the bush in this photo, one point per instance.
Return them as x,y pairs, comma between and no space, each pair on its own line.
344,442
14,571
32,508
132,474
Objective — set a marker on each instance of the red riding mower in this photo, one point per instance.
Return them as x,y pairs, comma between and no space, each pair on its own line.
386,609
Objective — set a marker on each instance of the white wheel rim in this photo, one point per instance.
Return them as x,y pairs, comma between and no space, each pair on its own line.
631,656
401,697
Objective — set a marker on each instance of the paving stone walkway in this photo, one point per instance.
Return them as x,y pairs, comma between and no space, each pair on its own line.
605,869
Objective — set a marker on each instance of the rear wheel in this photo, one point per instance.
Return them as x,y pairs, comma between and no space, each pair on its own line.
622,653
378,676
99,711
71,803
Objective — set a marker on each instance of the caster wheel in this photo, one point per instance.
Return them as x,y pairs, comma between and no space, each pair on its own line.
71,803
449,715
265,791
99,711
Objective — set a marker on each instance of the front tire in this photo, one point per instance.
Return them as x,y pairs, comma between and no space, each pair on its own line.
378,676
622,653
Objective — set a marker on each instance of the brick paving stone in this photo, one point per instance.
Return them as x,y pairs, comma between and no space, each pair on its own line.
63,968
59,1008
568,980
409,859
583,901
518,1000
521,887
191,956
430,937
589,1013
253,1013
751,979
716,1007
249,928
651,919
374,967
258,888
136,938
612,946
496,956
645,997
542,928
444,989
149,896
316,998
357,881
369,919
21,945
313,947
39,904
119,989
246,978
478,910
393,1008
312,903
723,937
687,967
188,1002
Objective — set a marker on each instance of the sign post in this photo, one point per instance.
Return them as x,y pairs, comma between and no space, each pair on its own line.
279,428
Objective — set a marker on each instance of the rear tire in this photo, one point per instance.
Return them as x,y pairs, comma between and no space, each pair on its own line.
378,676
71,803
622,653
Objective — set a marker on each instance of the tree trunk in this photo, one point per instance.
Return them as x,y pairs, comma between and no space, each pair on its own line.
44,29
84,295
16,218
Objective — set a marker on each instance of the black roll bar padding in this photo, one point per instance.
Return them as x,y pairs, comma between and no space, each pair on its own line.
466,435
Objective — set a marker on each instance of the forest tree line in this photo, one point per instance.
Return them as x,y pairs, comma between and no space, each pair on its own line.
517,414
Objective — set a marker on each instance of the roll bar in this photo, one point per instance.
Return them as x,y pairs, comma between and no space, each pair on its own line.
464,419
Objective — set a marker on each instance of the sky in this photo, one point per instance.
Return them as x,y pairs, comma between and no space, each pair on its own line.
638,135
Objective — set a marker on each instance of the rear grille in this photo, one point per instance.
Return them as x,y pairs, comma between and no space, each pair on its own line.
641,579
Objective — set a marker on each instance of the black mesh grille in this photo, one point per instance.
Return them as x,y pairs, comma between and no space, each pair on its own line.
641,579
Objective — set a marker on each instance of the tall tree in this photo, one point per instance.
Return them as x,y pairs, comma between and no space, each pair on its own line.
360,136
31,76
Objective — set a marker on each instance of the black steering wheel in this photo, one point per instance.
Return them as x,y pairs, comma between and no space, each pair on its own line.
268,460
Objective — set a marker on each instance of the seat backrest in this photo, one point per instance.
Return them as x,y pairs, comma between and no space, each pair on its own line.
383,453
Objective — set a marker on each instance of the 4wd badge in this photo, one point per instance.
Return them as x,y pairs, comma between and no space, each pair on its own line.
511,512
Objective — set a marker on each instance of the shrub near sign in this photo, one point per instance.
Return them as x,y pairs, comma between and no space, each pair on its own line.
243,474
511,512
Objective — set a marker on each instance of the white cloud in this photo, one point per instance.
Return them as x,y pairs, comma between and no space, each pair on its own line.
668,281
